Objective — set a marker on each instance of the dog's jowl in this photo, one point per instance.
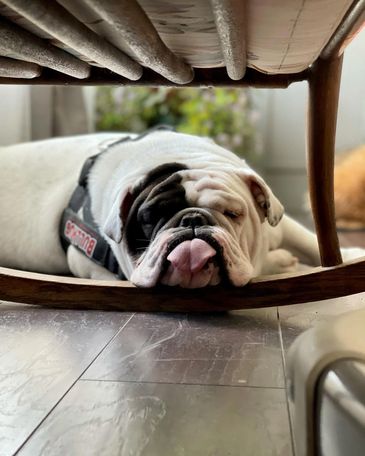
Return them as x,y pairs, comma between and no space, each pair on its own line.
164,208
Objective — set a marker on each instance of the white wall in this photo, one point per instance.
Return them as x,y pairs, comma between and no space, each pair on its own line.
89,93
38,112
284,120
15,125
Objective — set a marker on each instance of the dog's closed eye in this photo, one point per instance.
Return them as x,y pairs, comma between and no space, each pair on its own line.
232,214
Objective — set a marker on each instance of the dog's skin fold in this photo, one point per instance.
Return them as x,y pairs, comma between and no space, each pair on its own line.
175,208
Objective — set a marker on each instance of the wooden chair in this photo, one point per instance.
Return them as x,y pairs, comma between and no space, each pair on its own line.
44,42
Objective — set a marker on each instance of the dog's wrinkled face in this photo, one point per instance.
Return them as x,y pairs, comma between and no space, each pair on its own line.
193,227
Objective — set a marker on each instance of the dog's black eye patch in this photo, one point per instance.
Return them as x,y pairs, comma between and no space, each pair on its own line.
158,174
163,202
159,196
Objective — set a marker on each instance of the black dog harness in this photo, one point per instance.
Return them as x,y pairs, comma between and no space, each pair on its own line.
78,227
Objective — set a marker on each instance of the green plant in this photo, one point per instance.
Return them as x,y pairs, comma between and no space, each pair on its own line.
226,115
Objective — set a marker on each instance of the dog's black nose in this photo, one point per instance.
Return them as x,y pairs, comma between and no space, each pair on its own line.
193,220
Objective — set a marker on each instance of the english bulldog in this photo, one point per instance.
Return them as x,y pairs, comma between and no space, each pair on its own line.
174,209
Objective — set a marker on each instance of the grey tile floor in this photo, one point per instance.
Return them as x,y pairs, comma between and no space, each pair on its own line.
107,383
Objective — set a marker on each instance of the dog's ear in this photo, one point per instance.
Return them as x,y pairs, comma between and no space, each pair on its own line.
113,226
267,202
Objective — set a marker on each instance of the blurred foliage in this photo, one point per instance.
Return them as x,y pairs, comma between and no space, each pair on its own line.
226,115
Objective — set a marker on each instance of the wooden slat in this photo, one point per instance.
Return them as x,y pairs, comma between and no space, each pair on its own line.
65,292
129,19
324,86
11,68
17,42
352,22
58,22
215,77
229,18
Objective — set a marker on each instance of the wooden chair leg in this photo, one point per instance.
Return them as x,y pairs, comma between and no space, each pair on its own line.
324,86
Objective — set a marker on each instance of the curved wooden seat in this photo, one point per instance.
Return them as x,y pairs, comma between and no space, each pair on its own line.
67,292
47,64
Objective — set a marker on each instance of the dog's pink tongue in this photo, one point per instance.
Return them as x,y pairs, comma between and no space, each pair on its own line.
191,255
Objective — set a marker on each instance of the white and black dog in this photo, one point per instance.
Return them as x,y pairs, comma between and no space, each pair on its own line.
172,209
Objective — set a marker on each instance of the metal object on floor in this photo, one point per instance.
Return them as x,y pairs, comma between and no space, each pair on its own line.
341,406
327,388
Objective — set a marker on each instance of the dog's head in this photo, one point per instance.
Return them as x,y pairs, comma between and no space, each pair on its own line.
193,227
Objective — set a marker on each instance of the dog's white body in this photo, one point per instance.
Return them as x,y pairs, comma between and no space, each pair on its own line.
37,180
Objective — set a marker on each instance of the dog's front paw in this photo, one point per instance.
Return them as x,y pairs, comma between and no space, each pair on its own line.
352,253
280,261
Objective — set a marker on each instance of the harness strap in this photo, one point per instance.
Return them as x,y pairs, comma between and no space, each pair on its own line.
78,227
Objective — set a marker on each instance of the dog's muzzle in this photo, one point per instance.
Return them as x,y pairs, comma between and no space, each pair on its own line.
193,255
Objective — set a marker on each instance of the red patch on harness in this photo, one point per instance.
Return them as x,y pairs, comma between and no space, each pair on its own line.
80,238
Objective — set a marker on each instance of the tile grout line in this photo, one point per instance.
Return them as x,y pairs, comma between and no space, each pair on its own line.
180,384
72,385
285,382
